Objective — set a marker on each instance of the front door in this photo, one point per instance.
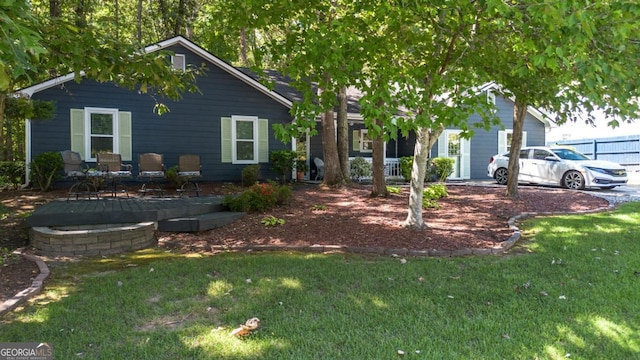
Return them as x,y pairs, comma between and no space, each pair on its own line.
453,146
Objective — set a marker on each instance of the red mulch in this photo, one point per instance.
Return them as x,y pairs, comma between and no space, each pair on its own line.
470,217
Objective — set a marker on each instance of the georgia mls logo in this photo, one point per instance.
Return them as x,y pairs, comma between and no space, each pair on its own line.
26,351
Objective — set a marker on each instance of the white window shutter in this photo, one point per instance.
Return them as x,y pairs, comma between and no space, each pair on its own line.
76,118
355,142
465,144
225,140
124,135
502,141
442,145
263,140
524,138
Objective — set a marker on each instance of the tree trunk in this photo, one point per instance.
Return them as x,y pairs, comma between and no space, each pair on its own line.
139,24
420,154
243,47
332,171
425,138
3,141
379,188
54,9
81,14
519,112
343,133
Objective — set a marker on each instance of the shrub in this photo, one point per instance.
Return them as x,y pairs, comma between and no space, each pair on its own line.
406,165
283,162
441,168
45,169
259,197
12,173
173,179
250,175
360,168
431,194
394,189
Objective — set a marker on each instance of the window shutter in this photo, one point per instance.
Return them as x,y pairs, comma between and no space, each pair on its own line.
502,141
524,138
124,136
442,144
355,142
465,144
77,131
225,140
263,140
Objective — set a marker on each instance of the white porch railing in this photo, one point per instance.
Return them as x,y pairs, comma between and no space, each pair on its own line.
391,169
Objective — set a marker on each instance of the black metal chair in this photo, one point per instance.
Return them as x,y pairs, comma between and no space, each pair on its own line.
76,169
111,167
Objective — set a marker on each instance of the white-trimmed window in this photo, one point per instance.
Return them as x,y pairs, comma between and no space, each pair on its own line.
366,143
504,140
178,61
244,135
101,131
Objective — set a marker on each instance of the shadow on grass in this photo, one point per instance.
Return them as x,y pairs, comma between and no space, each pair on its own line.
574,295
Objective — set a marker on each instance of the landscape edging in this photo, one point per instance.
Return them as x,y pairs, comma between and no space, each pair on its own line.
26,294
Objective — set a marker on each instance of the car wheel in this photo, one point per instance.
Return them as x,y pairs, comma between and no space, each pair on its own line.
501,176
573,180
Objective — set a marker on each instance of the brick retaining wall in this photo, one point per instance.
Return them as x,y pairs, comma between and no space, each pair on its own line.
93,240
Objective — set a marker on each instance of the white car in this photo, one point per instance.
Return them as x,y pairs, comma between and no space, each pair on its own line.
559,166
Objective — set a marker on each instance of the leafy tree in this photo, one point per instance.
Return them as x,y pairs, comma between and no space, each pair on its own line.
564,57
420,60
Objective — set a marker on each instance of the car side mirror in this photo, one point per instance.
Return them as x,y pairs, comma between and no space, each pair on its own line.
550,158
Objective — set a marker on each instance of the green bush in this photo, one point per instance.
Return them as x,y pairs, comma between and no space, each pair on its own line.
431,194
12,173
45,169
173,179
259,197
406,165
250,175
440,168
283,162
360,168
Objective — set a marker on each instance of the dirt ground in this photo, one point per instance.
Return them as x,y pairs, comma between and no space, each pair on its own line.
470,217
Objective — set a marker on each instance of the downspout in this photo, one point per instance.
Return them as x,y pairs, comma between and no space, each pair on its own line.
27,153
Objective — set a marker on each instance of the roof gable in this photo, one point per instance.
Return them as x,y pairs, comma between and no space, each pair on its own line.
178,40
536,113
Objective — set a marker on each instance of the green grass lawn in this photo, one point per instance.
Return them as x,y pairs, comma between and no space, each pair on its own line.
571,289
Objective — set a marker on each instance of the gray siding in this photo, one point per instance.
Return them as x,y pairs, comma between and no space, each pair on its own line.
191,127
484,144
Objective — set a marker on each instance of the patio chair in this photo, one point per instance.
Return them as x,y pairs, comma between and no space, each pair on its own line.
76,169
151,169
111,168
319,167
189,168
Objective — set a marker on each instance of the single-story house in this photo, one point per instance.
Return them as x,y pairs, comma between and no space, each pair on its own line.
471,156
229,122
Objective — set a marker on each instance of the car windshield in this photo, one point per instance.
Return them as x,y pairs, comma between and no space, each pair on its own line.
568,154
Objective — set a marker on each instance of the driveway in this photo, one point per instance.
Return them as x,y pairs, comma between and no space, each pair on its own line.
619,194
